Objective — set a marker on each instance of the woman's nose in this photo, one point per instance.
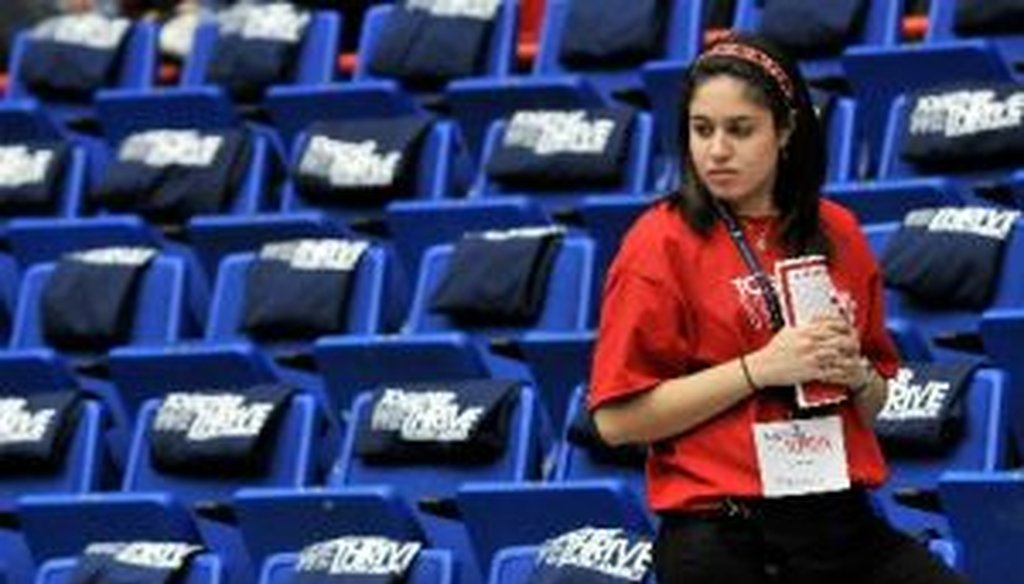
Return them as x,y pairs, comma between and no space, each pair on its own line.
719,146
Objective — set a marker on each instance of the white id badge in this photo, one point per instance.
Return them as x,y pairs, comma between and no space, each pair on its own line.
799,457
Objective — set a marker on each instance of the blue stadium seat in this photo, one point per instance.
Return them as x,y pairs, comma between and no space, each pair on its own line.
154,505
229,358
984,512
430,567
82,471
418,225
388,499
983,448
476,104
436,176
941,20
205,568
900,187
197,103
919,331
559,362
878,74
683,38
136,71
437,348
499,515
882,27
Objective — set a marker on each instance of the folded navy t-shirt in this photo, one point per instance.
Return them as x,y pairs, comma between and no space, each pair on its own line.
988,17
136,562
300,289
613,34
168,176
458,422
257,47
498,277
88,304
426,43
356,560
217,432
949,257
69,57
925,409
593,555
31,177
543,150
808,28
34,430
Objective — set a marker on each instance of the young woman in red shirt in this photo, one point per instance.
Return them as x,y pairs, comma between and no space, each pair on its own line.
694,358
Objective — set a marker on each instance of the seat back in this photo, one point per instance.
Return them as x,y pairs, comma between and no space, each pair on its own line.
683,38
291,459
81,470
882,27
565,307
576,463
500,53
983,447
314,63
365,303
941,20
432,566
158,310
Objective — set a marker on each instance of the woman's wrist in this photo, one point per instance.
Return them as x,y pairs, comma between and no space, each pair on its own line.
747,375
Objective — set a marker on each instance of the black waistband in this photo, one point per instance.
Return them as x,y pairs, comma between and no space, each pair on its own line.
752,507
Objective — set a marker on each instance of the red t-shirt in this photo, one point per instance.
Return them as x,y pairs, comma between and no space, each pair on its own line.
675,303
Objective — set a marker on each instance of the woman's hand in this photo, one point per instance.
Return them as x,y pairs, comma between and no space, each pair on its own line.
826,350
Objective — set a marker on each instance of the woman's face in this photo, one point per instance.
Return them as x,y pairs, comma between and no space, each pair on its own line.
734,144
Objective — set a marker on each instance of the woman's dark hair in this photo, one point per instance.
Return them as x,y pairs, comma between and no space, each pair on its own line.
801,166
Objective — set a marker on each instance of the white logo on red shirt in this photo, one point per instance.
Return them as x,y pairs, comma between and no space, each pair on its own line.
751,298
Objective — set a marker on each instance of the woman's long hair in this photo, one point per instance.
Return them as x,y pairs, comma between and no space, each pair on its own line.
801,163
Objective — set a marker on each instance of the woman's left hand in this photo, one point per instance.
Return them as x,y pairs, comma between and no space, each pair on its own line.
848,367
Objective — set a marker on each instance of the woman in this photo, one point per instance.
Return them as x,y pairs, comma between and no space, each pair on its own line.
693,358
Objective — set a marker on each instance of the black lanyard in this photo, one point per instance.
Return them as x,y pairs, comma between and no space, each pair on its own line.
749,258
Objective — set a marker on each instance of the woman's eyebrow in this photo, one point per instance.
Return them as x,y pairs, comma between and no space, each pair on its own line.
727,119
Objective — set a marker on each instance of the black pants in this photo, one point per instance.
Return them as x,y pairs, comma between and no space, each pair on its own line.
821,539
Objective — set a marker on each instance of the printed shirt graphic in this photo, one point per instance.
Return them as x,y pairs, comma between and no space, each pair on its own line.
682,303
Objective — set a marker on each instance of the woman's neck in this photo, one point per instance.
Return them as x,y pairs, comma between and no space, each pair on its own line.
760,207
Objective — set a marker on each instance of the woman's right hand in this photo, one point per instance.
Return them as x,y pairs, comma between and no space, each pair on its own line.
799,354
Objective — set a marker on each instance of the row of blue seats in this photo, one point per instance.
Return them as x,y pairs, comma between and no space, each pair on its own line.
878,66
279,512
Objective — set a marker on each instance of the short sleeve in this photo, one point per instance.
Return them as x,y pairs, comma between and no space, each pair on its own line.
642,340
877,345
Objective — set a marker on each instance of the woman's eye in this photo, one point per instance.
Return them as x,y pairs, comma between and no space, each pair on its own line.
741,130
702,130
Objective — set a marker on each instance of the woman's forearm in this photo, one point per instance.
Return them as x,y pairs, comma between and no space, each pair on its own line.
674,406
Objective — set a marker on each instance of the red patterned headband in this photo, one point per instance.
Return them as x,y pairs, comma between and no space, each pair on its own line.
755,57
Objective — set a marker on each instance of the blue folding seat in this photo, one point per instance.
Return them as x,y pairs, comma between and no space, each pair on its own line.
899,187
161,506
205,568
878,74
30,362
882,26
942,29
476,104
433,347
983,510
418,225
401,501
983,447
431,566
370,95
135,71
228,357
198,103
436,172
500,515
82,471
924,333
